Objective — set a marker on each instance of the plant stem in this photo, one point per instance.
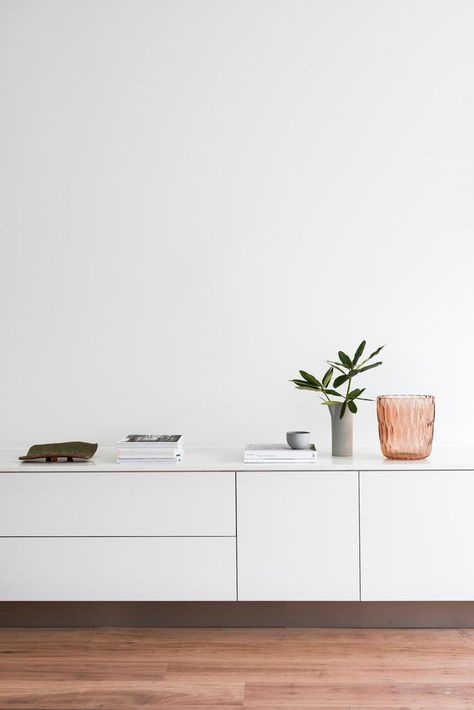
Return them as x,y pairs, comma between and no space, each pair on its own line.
348,388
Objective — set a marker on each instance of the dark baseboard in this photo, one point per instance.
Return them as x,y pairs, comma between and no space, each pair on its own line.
239,614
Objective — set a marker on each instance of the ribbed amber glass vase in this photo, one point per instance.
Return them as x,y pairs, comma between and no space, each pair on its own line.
406,423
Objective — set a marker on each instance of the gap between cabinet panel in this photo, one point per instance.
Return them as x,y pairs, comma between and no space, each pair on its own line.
360,549
236,542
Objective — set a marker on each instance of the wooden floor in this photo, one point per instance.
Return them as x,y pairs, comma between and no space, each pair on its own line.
224,669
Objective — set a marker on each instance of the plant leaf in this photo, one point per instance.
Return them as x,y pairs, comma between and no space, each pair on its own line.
352,406
376,352
310,378
340,380
345,359
337,366
329,404
307,386
359,352
369,367
333,392
343,410
327,377
355,393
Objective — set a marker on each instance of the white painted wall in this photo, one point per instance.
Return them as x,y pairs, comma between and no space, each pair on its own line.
199,197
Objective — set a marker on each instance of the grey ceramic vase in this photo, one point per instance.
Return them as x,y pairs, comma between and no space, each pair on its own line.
341,431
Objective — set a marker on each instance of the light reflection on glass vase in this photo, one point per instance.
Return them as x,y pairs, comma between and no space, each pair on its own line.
406,424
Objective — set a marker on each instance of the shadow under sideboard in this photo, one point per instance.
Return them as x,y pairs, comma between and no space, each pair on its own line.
239,614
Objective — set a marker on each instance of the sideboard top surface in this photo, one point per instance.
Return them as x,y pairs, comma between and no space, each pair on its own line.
207,459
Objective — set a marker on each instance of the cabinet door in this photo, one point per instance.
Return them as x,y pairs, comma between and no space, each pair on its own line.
298,536
417,535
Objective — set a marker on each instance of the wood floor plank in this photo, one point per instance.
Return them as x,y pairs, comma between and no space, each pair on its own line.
74,667
404,706
202,644
45,642
362,695
117,694
382,669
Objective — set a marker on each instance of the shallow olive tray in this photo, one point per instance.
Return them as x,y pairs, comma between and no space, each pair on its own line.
68,450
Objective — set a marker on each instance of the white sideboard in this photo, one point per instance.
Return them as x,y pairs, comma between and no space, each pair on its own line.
216,529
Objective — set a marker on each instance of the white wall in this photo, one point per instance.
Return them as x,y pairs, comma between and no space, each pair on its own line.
199,197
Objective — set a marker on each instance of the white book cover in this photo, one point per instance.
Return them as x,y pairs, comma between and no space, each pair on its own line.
279,451
146,441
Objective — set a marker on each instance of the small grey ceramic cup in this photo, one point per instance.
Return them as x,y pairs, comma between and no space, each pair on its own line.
298,439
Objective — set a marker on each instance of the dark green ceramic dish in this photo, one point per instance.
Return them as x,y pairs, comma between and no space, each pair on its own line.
68,450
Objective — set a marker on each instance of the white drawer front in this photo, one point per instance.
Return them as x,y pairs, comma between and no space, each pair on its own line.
298,536
117,569
117,504
417,535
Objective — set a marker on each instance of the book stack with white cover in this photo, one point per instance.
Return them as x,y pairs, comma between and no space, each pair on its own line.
279,453
150,449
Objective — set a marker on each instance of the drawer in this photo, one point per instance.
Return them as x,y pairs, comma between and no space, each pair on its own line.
117,569
122,504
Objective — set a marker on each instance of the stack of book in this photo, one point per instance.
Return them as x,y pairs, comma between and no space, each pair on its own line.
279,453
150,449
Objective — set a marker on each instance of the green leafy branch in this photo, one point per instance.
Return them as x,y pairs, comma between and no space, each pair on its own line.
348,369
